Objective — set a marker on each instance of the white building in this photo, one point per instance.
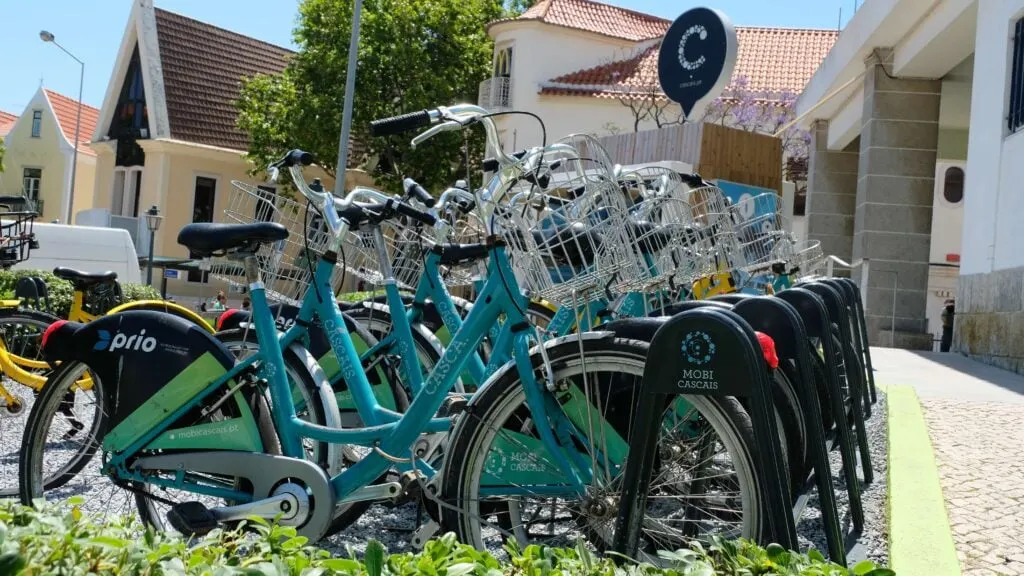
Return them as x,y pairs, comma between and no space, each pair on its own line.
916,114
569,61
572,61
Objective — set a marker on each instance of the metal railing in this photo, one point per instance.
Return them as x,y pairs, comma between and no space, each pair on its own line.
832,261
496,93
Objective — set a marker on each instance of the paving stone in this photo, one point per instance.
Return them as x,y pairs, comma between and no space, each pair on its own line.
976,444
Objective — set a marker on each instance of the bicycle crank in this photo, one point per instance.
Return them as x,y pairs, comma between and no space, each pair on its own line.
297,490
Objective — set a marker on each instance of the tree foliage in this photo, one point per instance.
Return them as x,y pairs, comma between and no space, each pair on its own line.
413,55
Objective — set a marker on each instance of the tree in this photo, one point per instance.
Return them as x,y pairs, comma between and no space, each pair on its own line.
514,8
413,55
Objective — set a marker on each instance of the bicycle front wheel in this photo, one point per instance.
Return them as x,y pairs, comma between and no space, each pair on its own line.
24,373
500,480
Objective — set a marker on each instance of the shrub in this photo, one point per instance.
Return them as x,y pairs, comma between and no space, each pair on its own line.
61,291
47,541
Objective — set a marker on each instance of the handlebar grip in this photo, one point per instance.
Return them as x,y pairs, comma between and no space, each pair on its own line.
399,124
414,190
406,210
296,157
490,165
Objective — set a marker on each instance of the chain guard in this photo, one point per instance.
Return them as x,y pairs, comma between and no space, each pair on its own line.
264,471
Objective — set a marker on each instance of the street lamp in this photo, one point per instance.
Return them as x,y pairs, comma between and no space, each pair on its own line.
153,219
48,37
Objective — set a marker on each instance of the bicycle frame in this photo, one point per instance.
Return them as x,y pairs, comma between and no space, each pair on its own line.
388,432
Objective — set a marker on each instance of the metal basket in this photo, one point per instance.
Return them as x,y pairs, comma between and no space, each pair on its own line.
286,267
664,227
17,239
808,258
567,231
761,233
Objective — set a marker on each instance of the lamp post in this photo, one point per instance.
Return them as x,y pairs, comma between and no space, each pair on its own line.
48,37
153,219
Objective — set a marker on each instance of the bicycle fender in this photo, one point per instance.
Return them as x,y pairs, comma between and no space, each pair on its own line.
167,307
147,361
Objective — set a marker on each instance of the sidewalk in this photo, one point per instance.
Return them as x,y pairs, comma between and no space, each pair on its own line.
975,421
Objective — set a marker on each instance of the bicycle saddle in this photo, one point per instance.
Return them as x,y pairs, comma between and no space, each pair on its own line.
207,239
84,279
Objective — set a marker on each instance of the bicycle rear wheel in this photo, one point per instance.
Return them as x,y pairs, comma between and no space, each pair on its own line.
497,481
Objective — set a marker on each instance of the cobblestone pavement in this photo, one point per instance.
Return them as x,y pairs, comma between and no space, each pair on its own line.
977,450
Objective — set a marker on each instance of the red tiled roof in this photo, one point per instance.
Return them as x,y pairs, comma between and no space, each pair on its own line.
596,17
6,122
66,110
773,60
203,67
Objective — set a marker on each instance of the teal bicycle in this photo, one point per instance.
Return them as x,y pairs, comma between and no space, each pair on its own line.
540,445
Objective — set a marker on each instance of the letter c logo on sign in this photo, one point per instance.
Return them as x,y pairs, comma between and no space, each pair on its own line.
696,59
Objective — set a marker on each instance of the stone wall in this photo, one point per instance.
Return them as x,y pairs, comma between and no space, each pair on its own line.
989,321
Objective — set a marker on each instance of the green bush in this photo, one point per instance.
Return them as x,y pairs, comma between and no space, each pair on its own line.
61,291
50,542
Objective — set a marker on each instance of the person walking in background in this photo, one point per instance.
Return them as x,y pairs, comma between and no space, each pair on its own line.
221,303
246,303
948,310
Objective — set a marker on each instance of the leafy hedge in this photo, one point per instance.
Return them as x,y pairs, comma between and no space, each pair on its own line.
45,541
61,292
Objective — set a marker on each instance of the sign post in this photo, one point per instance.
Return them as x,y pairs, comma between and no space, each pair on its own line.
696,59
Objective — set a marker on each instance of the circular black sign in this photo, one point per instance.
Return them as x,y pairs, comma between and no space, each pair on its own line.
697,56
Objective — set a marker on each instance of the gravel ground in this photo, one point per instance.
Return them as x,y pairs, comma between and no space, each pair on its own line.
394,526
873,542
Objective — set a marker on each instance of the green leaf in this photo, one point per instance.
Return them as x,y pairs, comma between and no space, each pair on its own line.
881,572
374,558
813,554
862,568
774,551
460,569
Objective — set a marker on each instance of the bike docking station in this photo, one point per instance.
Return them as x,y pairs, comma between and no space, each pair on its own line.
704,350
845,362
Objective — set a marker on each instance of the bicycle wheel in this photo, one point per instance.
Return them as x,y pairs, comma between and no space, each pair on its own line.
102,494
24,370
706,444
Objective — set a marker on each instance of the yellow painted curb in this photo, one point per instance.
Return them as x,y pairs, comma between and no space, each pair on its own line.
920,541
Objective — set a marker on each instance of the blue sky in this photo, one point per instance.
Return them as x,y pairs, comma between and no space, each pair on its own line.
92,31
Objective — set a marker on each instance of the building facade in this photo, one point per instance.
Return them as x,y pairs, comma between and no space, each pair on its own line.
40,153
914,170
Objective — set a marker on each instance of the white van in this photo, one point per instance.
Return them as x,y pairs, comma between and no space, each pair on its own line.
85,248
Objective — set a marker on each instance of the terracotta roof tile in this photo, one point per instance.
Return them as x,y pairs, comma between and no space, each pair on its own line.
66,110
596,17
7,120
203,66
773,60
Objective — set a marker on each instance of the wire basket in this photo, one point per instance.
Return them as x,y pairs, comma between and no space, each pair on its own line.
761,233
286,266
567,229
664,227
808,258
17,238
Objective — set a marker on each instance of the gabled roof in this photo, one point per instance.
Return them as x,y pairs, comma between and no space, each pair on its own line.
7,121
66,111
773,60
595,17
203,67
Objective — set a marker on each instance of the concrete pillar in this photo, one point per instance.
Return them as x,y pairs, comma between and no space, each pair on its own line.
831,193
892,225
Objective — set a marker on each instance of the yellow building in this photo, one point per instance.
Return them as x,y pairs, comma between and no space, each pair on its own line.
167,134
41,152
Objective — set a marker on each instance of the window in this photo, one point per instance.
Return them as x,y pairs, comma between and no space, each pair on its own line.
124,200
202,211
31,179
37,123
953,185
1015,118
503,63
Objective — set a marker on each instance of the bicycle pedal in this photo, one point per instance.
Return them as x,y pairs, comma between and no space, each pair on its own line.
192,519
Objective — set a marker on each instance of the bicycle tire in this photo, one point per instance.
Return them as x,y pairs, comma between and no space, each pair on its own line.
40,321
463,469
46,406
